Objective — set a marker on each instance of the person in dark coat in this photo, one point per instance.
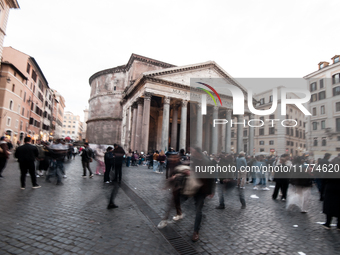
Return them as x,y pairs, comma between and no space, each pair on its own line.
118,154
109,163
282,182
4,154
331,204
321,180
26,155
207,189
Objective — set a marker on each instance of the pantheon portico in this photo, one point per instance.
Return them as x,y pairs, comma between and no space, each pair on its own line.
148,104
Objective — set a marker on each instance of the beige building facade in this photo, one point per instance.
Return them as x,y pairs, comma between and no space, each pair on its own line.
323,133
72,126
273,137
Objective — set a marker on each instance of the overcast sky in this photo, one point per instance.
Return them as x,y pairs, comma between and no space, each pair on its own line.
71,40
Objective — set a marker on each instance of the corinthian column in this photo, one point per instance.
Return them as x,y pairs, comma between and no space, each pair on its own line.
139,124
146,122
214,144
165,124
240,125
228,133
174,127
199,126
183,128
134,123
251,137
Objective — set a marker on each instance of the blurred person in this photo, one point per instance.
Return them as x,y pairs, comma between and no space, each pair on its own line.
4,154
57,156
331,204
118,161
301,187
155,161
207,189
261,174
43,159
175,183
241,163
135,157
321,181
226,185
169,164
86,158
26,155
70,151
161,160
128,158
100,161
109,163
282,182
75,152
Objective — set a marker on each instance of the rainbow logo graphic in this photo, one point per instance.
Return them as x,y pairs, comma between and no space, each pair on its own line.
204,99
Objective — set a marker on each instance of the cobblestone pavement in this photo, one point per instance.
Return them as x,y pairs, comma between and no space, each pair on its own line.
264,227
73,219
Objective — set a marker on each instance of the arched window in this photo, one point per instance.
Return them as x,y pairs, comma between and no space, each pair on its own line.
11,105
336,78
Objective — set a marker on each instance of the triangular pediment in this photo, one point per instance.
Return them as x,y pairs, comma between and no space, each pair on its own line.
183,74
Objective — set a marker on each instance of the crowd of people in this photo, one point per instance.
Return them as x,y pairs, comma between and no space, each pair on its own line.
46,159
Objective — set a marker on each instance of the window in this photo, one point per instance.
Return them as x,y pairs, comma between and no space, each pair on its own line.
321,83
336,91
232,133
337,107
270,99
262,118
313,86
8,121
272,116
336,78
271,130
261,142
323,124
64,125
271,142
13,88
25,96
287,130
315,125
338,138
34,76
314,111
337,124
322,109
322,95
245,132
315,142
288,143
21,126
314,97
19,109
261,131
68,132
23,111
28,68
336,60
72,132
291,131
296,132
324,141
10,104
261,101
16,123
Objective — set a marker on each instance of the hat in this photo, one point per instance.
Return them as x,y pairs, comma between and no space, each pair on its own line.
2,138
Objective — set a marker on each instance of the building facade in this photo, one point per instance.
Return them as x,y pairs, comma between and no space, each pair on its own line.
323,133
273,137
26,98
5,6
72,126
58,114
148,104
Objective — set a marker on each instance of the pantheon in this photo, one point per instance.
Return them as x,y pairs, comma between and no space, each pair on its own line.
148,105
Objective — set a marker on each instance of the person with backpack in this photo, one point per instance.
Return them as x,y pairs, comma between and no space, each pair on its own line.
86,159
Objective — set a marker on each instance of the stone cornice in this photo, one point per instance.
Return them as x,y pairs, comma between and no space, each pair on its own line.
126,68
102,119
105,94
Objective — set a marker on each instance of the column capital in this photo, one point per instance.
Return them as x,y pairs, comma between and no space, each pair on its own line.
229,111
134,105
216,108
147,96
184,103
166,100
140,100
